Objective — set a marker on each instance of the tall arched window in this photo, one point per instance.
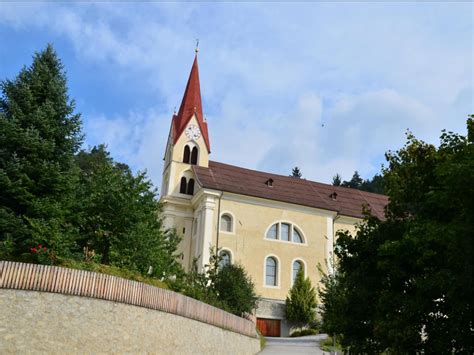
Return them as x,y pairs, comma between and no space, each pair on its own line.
271,271
183,185
190,187
194,156
226,259
186,154
226,223
297,266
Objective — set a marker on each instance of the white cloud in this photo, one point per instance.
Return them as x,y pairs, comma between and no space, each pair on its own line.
272,76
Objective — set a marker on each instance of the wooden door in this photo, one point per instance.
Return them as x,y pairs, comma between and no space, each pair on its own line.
269,327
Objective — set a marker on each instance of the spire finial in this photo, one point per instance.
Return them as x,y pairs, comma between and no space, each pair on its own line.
197,45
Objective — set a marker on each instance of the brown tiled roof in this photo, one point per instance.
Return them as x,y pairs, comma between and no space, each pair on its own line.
348,202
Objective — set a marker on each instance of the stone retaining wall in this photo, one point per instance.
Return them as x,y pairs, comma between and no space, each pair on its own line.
37,322
54,309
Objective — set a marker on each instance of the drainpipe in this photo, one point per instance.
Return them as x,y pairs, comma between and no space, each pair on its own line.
333,231
332,267
218,221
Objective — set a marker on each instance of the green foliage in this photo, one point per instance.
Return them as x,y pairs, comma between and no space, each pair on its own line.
236,289
200,284
39,135
330,345
405,284
337,180
332,295
301,301
118,217
296,172
304,332
228,287
58,204
355,182
376,184
112,270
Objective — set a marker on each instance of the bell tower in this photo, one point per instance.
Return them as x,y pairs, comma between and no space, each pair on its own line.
188,146
188,141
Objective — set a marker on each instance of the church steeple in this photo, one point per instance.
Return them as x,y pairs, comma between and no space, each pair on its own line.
191,105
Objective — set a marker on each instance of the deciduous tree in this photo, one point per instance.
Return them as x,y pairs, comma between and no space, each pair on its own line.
405,284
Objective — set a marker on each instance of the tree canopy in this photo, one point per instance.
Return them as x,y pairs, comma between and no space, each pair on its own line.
376,184
59,204
39,135
405,284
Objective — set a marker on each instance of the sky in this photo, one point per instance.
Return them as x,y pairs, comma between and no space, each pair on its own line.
327,87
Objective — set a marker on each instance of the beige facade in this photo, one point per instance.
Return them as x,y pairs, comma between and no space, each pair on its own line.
237,223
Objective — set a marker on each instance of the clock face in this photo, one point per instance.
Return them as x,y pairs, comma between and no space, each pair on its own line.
193,132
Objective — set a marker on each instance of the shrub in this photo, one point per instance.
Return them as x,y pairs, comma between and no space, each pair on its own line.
304,332
235,288
301,301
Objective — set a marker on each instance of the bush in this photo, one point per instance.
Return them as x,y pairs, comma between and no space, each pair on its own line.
328,345
295,334
301,301
112,270
235,288
304,332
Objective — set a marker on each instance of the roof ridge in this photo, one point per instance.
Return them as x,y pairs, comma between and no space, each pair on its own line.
289,177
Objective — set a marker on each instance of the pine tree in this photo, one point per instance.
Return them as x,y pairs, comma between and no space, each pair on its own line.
355,182
39,134
337,180
296,172
301,301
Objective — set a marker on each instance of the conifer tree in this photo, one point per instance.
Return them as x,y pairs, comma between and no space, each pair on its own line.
296,172
39,134
301,301
337,180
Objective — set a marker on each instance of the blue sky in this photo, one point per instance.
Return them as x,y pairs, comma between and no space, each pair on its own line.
328,87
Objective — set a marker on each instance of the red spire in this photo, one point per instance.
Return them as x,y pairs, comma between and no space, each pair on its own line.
190,105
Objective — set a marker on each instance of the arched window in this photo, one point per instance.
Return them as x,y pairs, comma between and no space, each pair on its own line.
226,223
297,266
271,271
183,185
186,154
190,187
273,232
194,156
226,259
286,232
297,236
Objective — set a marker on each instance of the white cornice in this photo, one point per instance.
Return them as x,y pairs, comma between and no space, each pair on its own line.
176,201
275,204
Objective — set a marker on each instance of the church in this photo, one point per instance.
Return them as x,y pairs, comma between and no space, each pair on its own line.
272,225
